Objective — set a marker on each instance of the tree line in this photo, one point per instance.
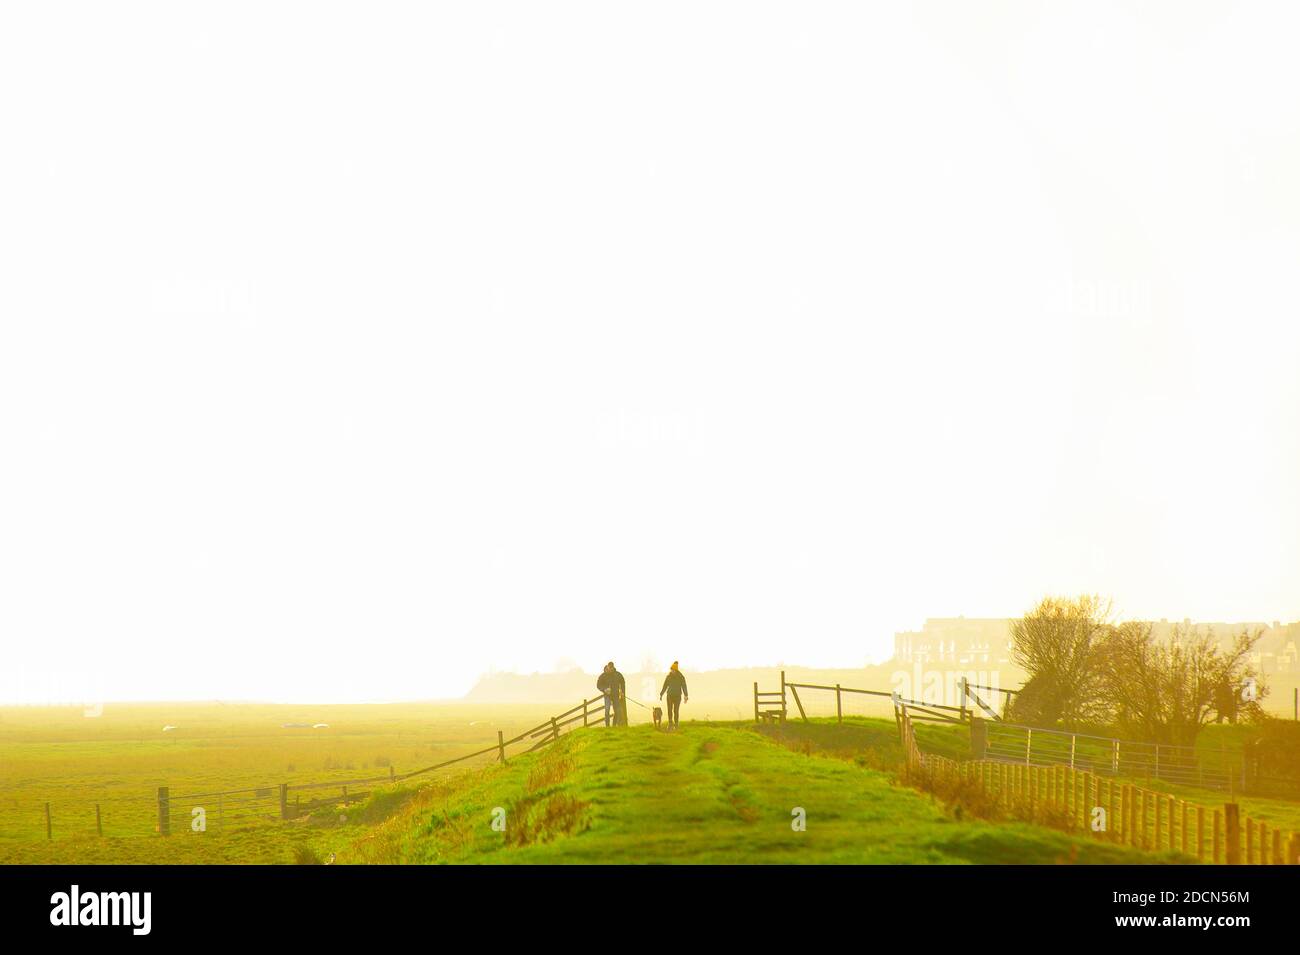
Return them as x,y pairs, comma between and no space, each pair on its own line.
1087,669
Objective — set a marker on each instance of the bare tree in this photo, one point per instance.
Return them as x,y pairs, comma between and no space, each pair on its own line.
1165,690
1057,644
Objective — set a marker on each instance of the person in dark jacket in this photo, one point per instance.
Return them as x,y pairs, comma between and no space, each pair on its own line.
612,685
675,687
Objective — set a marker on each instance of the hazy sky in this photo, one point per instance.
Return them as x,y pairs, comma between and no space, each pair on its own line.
349,350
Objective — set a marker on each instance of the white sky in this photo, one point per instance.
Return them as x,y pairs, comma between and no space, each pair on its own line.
349,350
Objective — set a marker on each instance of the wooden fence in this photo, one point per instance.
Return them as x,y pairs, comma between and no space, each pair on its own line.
285,800
997,740
774,705
1106,806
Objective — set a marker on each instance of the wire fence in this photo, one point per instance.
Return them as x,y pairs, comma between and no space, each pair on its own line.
997,740
285,801
120,814
1102,806
1181,765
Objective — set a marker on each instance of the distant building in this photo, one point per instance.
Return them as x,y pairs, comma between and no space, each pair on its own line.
1276,651
962,640
987,640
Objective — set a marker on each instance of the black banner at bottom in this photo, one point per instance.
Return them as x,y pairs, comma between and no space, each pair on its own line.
372,905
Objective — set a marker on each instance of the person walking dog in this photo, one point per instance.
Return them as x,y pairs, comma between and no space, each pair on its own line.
612,685
675,687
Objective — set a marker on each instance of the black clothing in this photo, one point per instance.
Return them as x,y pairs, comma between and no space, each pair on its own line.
612,682
674,685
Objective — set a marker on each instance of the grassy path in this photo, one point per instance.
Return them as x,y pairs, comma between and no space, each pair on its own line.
709,793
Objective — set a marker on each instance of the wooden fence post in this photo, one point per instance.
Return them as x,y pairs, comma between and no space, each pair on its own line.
501,737
799,703
839,709
1218,832
979,737
783,704
1115,818
756,701
284,800
584,723
1200,833
1146,817
164,811
1232,833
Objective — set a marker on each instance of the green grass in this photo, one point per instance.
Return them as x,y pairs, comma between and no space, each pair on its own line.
874,742
120,757
1278,813
870,741
710,793
713,792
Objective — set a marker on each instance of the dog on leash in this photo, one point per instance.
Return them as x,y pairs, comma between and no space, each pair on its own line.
658,714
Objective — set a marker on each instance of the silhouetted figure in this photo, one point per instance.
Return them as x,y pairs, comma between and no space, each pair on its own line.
675,687
614,688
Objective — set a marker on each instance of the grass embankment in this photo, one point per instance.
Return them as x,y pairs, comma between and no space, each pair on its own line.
707,793
873,742
119,757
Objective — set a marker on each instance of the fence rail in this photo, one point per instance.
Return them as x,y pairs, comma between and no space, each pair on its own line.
856,701
269,803
996,740
1105,806
198,812
1108,756
848,701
